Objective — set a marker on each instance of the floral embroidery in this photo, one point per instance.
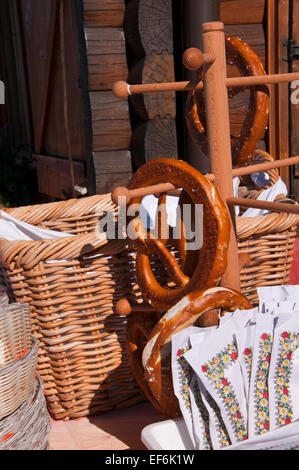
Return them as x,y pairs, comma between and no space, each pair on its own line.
186,377
186,373
261,395
247,355
221,431
214,370
207,444
288,343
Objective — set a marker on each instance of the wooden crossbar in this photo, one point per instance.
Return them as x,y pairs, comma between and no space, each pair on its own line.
215,84
265,205
123,89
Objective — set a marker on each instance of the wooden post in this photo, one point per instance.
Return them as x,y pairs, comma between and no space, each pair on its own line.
218,130
194,14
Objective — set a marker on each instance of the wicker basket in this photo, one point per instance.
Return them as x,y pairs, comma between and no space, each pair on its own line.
268,240
72,285
28,427
4,299
15,332
17,381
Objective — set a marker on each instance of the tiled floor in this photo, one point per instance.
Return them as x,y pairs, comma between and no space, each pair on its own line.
115,430
118,430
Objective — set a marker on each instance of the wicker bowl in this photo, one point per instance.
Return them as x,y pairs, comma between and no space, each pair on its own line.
268,239
17,381
28,427
4,299
15,332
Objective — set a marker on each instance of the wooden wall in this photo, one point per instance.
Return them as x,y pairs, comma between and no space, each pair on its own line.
14,119
74,114
149,37
107,63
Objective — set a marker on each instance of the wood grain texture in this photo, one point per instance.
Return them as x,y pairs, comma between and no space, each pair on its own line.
283,89
104,70
114,134
148,27
242,11
152,139
54,175
105,41
106,183
104,13
39,35
105,106
218,130
58,130
112,162
155,68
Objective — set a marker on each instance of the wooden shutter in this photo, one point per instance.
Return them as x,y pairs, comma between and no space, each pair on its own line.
51,49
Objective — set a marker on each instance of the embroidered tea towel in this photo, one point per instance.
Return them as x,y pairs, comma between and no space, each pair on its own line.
271,296
284,438
211,431
200,416
217,366
200,407
201,334
182,375
217,431
244,323
284,373
258,409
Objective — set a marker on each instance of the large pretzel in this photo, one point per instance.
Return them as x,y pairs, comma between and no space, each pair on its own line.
211,259
255,123
196,307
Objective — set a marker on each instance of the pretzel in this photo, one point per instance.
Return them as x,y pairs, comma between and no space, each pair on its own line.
156,357
139,328
255,123
210,261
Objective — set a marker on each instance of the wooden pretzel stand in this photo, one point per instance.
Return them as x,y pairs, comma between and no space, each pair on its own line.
212,63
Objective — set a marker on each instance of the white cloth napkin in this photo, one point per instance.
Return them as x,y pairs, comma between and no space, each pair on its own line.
150,203
267,195
13,229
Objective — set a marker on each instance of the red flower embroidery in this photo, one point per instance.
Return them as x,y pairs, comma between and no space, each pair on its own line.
224,382
247,352
238,414
265,395
266,425
179,353
204,369
264,336
234,356
287,421
268,358
284,334
289,355
285,391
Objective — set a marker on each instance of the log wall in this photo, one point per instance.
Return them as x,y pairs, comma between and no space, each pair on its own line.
107,63
149,36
